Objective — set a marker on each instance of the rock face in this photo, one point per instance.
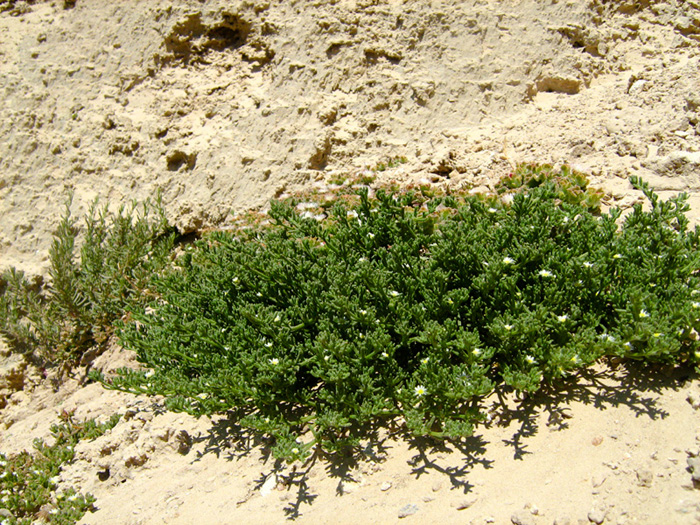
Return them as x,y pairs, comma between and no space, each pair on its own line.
222,105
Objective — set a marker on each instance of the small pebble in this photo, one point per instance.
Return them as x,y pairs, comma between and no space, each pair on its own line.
694,466
644,477
596,516
597,441
694,401
385,486
465,503
522,518
437,486
407,510
562,521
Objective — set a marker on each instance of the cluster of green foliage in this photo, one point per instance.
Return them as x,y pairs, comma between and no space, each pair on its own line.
340,179
413,305
61,321
572,185
26,479
389,164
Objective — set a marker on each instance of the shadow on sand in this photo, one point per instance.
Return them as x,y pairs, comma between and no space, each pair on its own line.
635,386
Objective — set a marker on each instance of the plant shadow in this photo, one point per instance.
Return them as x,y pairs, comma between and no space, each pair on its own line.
611,384
635,386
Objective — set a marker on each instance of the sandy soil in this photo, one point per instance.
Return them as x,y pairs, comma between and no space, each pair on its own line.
222,105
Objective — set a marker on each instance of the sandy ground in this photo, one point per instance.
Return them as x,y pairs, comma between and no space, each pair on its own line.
224,105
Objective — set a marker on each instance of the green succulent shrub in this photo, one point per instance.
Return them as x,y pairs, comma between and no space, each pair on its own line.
59,322
27,487
410,306
572,185
389,164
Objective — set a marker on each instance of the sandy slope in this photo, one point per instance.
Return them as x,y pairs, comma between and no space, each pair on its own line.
222,105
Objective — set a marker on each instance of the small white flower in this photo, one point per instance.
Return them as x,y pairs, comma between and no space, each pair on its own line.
562,318
575,360
476,352
657,334
617,256
259,294
566,219
274,361
425,361
295,450
385,355
235,280
492,210
696,304
629,345
326,357
371,235
607,337
643,314
268,344
73,497
394,293
363,259
353,214
588,264
530,360
277,319
450,301
485,263
508,326
363,312
420,390
508,260
697,354
545,273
